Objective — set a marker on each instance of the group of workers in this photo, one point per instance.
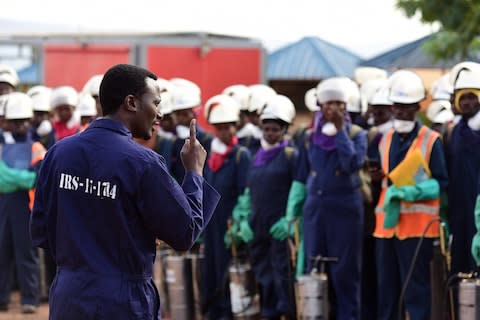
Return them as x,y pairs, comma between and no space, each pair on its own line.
363,183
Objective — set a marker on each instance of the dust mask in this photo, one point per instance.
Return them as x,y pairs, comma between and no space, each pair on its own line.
474,122
403,126
384,127
329,129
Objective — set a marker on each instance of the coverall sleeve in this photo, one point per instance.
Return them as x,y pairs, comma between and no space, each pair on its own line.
301,162
351,151
176,215
39,215
438,165
242,170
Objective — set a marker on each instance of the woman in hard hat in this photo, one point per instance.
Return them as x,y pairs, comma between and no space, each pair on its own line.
226,169
64,99
328,181
186,98
42,129
22,155
463,158
87,110
273,165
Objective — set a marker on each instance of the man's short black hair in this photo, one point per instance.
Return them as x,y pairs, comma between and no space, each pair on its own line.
120,81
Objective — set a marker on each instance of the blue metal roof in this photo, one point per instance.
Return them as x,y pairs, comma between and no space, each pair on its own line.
311,59
410,55
29,74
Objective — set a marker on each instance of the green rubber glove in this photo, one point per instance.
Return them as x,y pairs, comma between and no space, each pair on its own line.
300,267
245,233
476,239
243,208
15,179
391,206
425,190
296,198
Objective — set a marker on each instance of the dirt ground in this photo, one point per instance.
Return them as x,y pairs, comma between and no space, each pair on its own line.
15,312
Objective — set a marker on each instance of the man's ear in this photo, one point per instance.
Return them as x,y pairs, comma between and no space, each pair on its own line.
130,103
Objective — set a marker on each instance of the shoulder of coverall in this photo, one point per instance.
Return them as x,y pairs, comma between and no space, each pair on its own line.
241,151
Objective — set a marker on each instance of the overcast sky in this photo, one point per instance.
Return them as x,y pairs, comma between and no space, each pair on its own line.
367,27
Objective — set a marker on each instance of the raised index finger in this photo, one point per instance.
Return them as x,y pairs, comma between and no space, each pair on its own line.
193,131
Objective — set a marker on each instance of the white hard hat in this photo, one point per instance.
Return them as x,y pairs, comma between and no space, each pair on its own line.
381,96
41,98
8,75
92,86
259,95
467,79
64,95
333,89
18,106
440,111
279,107
464,65
353,100
186,95
406,87
166,95
441,88
221,109
3,102
239,92
87,106
311,100
368,90
364,74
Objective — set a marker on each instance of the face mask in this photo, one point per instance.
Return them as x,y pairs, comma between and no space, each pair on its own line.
183,132
403,126
329,129
474,122
370,121
44,128
384,127
267,146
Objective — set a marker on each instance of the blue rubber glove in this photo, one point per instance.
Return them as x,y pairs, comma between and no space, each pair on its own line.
476,239
391,206
240,230
296,197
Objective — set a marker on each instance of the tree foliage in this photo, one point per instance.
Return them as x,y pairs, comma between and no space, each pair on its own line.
459,25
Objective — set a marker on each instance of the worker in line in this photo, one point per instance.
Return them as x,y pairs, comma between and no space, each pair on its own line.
102,200
23,156
463,158
439,112
63,101
87,110
328,180
186,98
41,125
310,100
163,138
269,255
380,111
415,175
248,134
92,87
8,83
226,172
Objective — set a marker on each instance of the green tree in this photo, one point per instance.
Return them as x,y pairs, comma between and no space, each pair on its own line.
459,21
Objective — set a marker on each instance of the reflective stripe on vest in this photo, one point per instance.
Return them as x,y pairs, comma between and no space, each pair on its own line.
414,216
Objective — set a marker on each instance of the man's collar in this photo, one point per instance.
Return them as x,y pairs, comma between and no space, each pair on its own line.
110,124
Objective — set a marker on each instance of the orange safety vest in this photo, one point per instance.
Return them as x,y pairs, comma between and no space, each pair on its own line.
414,216
38,153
